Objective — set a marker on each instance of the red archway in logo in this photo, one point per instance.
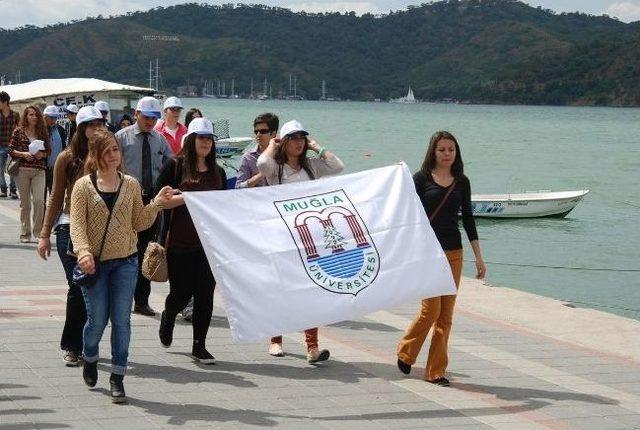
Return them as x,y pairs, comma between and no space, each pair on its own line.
324,217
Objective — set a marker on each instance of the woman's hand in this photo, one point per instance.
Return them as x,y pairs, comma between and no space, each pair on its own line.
25,155
313,145
481,269
40,155
87,264
44,247
276,142
164,196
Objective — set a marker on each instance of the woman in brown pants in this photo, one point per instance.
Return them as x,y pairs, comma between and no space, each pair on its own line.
444,191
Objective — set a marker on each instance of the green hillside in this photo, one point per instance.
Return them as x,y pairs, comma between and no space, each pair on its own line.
479,51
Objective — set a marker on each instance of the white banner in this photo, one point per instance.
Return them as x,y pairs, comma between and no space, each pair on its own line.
295,256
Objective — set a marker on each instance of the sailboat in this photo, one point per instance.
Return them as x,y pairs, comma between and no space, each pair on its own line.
409,98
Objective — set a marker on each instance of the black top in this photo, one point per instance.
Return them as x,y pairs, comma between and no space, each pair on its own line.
445,224
182,232
108,197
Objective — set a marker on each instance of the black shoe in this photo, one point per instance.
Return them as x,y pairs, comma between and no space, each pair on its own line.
441,382
144,310
166,330
3,194
90,373
117,389
200,353
14,195
404,367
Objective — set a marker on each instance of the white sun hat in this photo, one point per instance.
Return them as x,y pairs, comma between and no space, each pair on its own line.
87,114
292,127
149,106
172,102
51,112
102,106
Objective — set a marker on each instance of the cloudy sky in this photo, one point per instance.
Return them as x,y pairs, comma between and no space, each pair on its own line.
16,13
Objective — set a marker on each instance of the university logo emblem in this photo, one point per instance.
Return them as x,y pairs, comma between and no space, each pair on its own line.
332,240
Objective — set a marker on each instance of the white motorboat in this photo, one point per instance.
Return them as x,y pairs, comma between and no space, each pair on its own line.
232,146
526,205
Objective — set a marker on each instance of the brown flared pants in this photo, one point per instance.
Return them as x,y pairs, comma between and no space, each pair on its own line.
436,312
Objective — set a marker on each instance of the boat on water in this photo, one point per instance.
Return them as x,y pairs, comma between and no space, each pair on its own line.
122,98
526,205
408,99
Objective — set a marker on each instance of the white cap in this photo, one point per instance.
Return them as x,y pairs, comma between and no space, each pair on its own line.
201,127
35,146
51,111
291,127
102,106
149,106
71,108
88,113
172,102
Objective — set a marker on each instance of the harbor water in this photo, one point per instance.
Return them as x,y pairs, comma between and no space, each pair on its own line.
591,258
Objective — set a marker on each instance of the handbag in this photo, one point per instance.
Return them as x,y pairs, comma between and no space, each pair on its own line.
87,280
443,201
13,166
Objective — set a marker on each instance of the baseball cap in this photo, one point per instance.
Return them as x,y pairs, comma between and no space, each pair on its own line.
102,106
51,112
149,106
172,102
88,113
72,108
201,127
291,127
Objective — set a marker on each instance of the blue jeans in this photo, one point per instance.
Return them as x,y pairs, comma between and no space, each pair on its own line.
110,298
76,316
4,154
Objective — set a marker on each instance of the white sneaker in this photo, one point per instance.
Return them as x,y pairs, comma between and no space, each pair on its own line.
275,349
315,355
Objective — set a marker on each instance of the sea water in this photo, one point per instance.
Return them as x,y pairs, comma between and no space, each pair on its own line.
591,258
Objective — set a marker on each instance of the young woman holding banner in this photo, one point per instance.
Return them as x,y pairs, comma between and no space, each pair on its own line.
194,169
444,191
285,161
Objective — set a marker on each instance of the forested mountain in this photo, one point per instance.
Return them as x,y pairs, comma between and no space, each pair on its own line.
481,51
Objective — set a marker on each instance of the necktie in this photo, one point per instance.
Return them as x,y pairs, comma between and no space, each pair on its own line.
147,181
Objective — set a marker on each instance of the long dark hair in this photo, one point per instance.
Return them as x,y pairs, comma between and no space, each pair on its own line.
189,116
281,158
429,163
189,159
78,148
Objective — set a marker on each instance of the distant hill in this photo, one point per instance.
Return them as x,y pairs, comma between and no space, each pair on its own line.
478,51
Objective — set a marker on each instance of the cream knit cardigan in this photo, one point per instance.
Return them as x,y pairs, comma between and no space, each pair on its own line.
89,215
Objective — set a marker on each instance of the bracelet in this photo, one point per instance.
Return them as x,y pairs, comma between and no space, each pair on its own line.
321,152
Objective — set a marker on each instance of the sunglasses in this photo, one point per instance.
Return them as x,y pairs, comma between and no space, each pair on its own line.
297,136
261,131
175,109
95,123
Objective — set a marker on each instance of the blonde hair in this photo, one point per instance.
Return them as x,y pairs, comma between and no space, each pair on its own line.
98,145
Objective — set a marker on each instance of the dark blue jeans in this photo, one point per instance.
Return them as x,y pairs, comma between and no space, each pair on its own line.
110,298
4,154
76,315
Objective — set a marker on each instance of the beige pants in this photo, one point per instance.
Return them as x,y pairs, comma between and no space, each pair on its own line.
436,312
30,184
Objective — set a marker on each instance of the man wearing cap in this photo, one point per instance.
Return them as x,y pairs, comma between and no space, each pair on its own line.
103,107
171,128
57,141
9,120
71,125
144,151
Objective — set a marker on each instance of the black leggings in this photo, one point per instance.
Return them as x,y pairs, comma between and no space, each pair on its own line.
190,275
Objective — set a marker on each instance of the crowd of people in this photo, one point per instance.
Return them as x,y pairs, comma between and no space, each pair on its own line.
107,185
